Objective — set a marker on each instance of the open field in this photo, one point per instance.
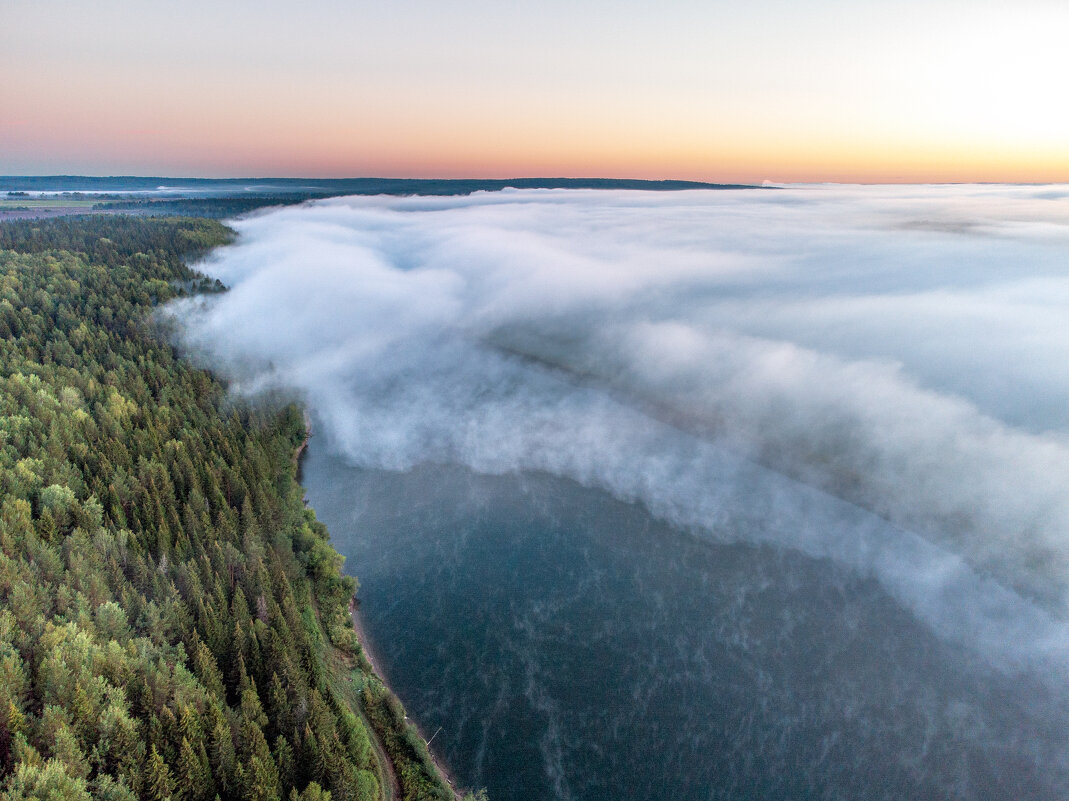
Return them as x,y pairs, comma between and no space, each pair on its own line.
22,208
44,203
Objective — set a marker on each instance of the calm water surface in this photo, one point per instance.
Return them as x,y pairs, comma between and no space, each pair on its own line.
571,647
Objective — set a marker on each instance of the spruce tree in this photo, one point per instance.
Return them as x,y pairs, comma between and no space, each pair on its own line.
158,784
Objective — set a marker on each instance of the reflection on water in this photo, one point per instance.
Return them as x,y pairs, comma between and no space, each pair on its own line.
570,646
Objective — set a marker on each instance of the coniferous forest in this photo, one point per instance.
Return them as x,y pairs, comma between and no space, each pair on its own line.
174,623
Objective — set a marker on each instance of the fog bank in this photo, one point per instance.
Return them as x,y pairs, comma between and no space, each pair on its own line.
875,375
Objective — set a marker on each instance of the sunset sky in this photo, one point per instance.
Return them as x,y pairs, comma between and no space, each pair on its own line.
829,90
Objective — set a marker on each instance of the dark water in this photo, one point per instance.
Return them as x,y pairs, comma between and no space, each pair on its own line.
571,647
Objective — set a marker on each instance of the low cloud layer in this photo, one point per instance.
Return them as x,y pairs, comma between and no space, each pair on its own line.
874,375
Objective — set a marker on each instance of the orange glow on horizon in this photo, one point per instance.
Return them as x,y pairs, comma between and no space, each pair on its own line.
185,149
860,96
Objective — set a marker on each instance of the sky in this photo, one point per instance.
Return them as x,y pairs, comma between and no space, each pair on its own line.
943,90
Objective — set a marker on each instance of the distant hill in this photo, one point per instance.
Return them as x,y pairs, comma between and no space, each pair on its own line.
330,186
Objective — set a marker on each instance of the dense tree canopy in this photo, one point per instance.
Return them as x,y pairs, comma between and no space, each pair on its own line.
173,621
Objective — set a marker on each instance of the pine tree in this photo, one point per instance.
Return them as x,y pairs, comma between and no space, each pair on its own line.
208,780
314,762
190,781
205,667
313,792
189,725
158,785
278,704
222,754
251,708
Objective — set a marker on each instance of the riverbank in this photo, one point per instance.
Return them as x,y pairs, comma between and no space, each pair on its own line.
374,663
376,666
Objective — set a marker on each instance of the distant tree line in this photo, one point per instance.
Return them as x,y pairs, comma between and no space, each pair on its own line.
216,208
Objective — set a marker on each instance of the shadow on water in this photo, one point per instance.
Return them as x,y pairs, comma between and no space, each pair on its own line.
570,646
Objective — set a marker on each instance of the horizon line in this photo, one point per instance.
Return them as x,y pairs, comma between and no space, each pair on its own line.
695,181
